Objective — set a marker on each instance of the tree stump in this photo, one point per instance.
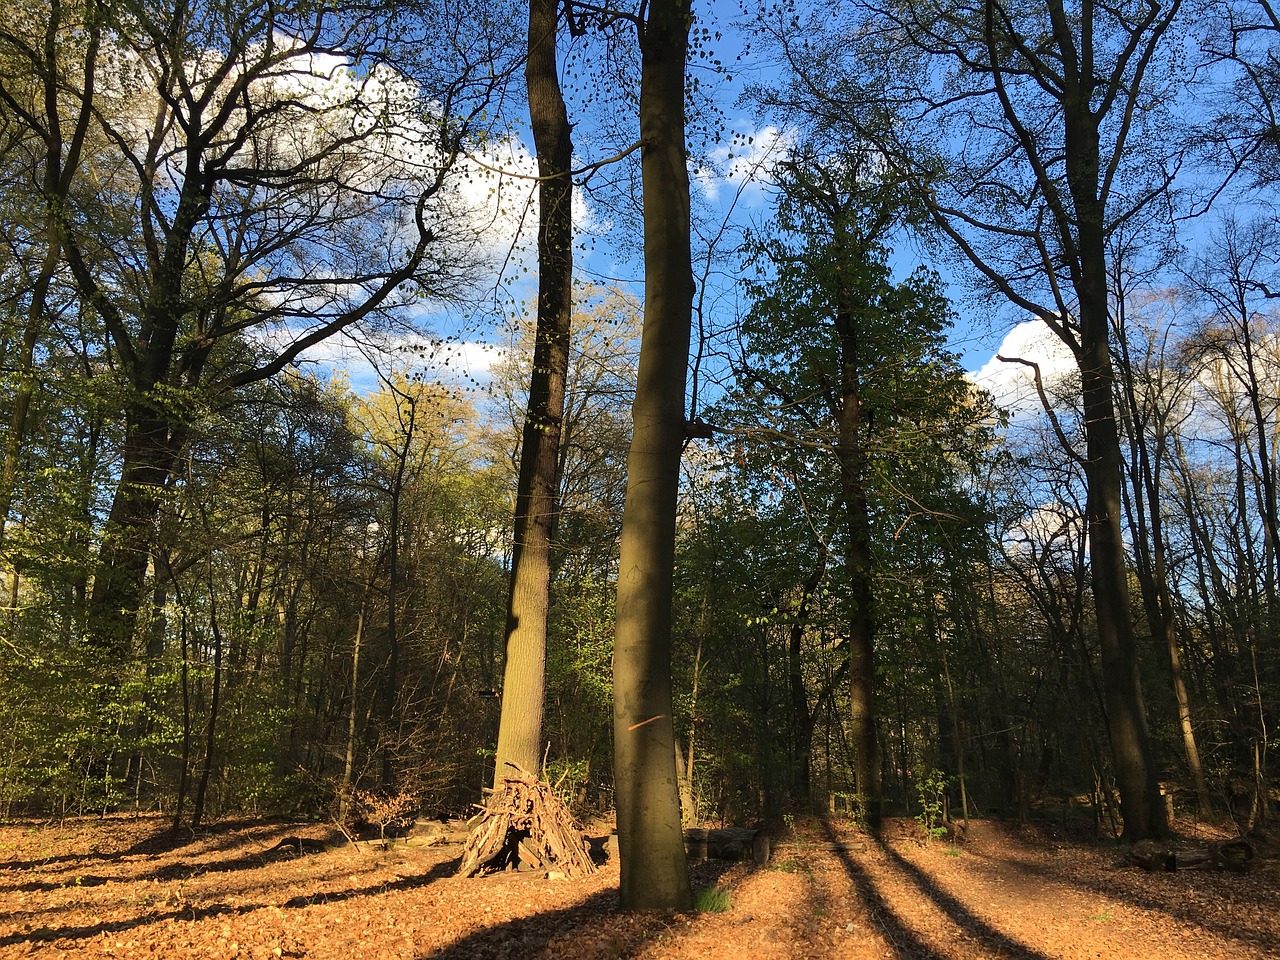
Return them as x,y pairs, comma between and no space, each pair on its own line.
525,826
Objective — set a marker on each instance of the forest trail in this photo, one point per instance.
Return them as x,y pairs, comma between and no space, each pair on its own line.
1004,893
109,888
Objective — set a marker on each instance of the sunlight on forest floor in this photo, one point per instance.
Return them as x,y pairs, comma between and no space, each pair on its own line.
118,888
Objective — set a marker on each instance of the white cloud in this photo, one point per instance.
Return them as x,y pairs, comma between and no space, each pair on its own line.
1013,384
499,190
468,359
463,364
747,160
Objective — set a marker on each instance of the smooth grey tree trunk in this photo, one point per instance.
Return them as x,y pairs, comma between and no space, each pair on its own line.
537,492
655,874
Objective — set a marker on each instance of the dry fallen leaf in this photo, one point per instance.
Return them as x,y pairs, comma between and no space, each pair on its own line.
1008,891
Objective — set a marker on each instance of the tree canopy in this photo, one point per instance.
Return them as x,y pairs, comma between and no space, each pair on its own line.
793,543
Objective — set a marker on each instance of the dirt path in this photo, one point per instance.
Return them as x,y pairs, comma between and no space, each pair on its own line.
997,896
111,889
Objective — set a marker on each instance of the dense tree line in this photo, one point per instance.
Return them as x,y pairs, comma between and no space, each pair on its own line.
232,581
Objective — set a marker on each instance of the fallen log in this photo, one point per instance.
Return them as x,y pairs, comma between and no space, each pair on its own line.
298,846
729,843
431,833
1234,855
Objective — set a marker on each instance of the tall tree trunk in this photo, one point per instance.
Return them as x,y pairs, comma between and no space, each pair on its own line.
862,670
956,740
862,626
184,772
801,715
390,692
1147,525
537,491
655,874
688,806
1140,802
353,711
684,771
1189,745
154,436
1266,493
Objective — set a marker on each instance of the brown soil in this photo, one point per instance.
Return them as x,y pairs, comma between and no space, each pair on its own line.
119,888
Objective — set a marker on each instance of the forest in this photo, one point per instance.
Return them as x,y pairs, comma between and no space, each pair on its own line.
721,530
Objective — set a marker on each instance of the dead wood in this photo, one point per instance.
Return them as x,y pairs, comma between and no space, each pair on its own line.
730,843
297,846
525,826
1235,855
432,833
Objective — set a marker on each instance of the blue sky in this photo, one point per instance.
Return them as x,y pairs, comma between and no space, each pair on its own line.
731,193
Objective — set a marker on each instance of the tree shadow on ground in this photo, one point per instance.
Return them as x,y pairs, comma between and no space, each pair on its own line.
52,863
171,872
228,835
901,939
596,918
960,915
48,934
1193,908
528,936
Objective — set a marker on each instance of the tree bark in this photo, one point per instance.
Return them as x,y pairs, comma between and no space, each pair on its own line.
215,703
118,592
1081,230
184,773
390,706
654,872
537,492
347,785
852,455
1140,802
801,715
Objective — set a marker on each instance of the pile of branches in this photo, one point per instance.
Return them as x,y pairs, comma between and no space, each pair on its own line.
525,826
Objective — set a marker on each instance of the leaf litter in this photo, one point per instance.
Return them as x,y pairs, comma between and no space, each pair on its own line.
123,887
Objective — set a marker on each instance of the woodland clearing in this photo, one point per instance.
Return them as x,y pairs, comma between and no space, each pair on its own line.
121,887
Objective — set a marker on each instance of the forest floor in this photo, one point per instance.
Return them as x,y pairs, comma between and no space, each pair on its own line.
119,887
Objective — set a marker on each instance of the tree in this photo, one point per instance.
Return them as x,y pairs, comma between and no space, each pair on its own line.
595,431
1234,281
52,134
651,844
1030,135
417,436
1152,399
761,628
1240,132
1232,358
235,209
537,489
843,360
